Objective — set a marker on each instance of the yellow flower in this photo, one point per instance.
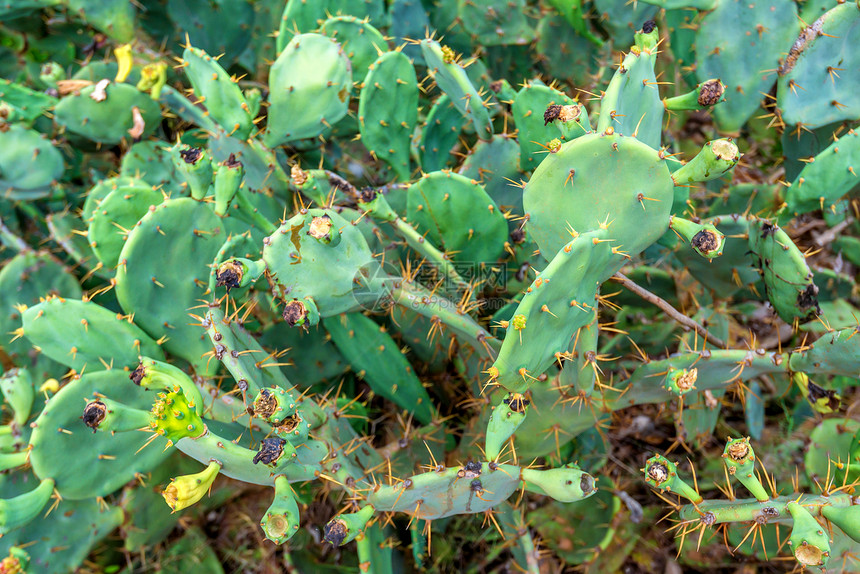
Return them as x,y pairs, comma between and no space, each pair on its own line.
124,60
184,491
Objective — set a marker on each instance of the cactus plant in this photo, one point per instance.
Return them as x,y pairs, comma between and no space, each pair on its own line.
363,270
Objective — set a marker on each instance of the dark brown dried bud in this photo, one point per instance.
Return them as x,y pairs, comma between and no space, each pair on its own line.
476,486
137,375
705,241
808,299
496,86
229,275
94,414
649,26
517,402
710,93
768,228
335,532
366,194
232,162
472,469
551,114
295,313
265,404
518,236
191,155
271,450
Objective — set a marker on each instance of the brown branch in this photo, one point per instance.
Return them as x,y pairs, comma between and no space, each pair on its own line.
671,311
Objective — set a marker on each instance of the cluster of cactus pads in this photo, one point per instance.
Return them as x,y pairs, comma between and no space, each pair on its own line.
398,263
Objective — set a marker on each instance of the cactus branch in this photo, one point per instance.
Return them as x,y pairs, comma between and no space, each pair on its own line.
668,309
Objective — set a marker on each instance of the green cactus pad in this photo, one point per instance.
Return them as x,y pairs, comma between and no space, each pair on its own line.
101,190
108,121
495,164
787,278
829,452
117,214
808,541
29,163
846,519
301,266
241,354
86,464
84,335
361,41
812,89
163,272
835,353
18,392
631,104
237,461
310,85
216,26
534,133
18,511
388,110
827,177
24,280
452,79
304,16
24,105
621,20
221,95
385,370
456,214
505,419
148,161
58,543
599,179
113,17
281,521
713,371
741,44
559,301
496,22
470,489
440,134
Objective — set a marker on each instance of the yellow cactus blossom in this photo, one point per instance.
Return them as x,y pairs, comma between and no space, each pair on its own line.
184,491
124,61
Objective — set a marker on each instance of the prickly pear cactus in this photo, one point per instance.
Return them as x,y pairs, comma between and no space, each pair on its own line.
426,282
